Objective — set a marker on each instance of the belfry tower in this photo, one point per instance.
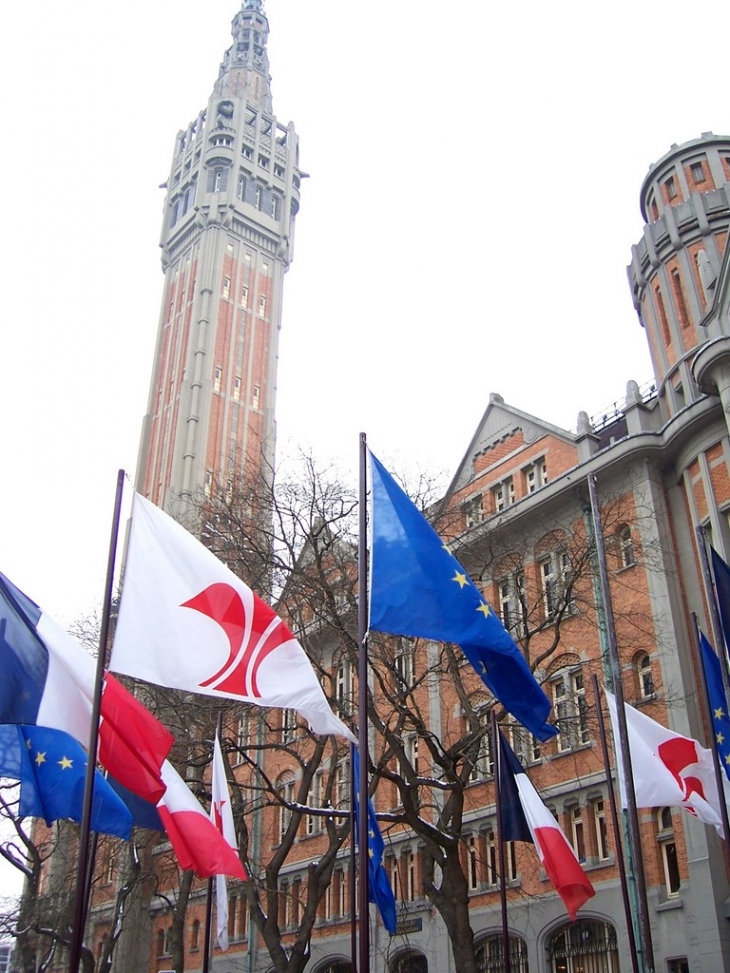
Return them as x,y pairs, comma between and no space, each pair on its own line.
227,241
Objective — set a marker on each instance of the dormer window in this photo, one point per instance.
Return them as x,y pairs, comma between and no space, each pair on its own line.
504,495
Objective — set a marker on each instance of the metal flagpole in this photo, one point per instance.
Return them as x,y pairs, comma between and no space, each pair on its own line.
83,876
208,925
362,702
496,755
616,830
633,817
209,900
352,891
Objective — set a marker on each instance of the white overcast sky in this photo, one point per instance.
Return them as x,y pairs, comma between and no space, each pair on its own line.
475,170
473,200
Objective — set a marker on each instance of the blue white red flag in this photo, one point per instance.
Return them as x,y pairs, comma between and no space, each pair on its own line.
187,622
51,768
525,818
48,680
419,589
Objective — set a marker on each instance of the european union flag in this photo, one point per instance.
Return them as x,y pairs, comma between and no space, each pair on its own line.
379,891
718,703
51,768
419,589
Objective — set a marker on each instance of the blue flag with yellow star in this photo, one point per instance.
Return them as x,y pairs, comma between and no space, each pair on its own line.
51,768
718,703
379,891
419,589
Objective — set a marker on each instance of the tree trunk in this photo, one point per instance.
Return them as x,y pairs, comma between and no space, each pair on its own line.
451,899
177,935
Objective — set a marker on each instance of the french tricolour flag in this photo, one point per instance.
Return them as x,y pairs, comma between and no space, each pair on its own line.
525,818
48,680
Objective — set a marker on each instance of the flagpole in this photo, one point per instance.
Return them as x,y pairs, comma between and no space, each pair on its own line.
209,900
352,891
83,876
362,702
719,772
633,817
616,829
502,858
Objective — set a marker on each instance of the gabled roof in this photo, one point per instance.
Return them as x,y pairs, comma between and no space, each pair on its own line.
499,422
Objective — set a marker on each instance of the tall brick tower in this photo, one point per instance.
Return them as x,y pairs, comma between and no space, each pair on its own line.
227,241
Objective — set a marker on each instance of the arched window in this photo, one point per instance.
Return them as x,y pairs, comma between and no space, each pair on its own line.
625,546
410,963
587,944
285,790
644,677
338,966
490,955
160,942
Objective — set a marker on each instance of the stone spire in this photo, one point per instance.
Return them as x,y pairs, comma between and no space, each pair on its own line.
244,70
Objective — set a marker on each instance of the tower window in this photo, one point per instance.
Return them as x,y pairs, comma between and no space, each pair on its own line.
218,375
698,172
625,546
680,299
217,180
226,287
256,396
244,296
661,311
670,188
262,306
237,388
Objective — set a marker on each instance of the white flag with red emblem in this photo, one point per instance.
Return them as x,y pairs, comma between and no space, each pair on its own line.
669,770
187,622
221,814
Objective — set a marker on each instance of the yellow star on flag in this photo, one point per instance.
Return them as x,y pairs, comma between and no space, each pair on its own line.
64,763
719,713
460,579
485,609
720,738
40,758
